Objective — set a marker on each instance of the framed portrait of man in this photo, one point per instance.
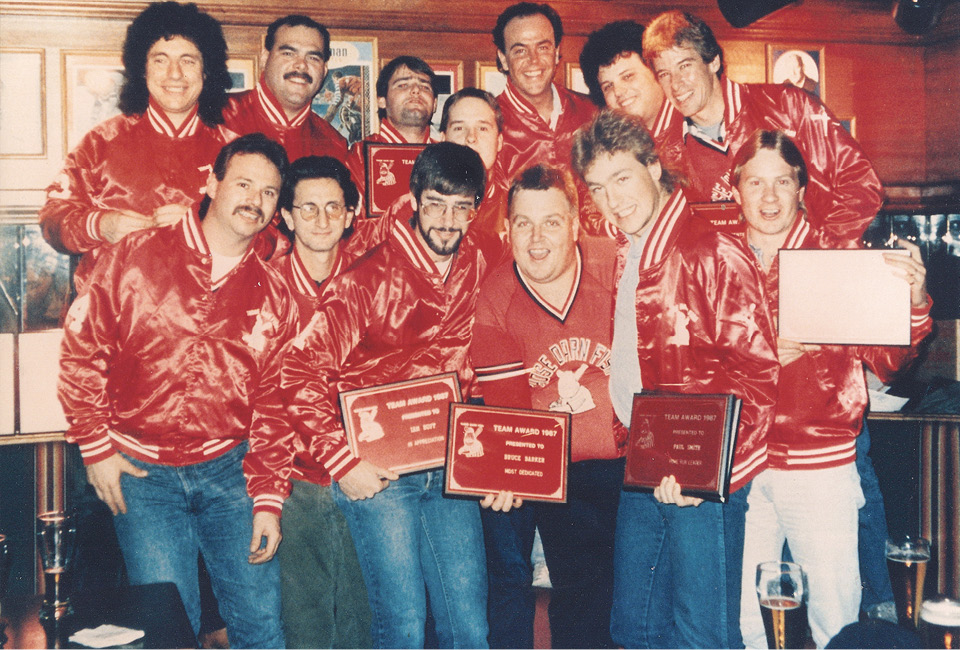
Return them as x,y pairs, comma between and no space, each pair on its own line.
799,67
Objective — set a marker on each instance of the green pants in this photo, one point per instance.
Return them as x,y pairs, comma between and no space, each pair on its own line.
323,599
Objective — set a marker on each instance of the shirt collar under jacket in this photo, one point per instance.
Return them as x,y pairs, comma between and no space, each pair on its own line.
195,240
522,105
733,97
795,239
272,108
162,124
303,282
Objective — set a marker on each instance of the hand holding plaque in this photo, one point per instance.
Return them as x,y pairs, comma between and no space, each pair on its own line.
690,438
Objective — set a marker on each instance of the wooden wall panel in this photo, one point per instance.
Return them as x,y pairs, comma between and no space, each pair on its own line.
902,90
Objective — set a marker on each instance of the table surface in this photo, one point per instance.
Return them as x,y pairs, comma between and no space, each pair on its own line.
155,608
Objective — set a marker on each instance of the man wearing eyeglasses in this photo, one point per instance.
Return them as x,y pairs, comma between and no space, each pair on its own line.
404,311
323,598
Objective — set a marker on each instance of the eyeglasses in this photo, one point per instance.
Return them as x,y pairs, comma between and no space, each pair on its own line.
437,209
332,210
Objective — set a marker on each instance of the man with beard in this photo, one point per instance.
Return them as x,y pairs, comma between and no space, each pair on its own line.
170,356
404,311
294,60
406,102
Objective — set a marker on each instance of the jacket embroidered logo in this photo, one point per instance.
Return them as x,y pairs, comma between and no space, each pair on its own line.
266,322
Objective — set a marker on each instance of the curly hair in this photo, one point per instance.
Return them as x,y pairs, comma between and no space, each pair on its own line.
167,20
603,47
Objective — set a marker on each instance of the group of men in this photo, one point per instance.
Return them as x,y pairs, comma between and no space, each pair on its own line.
230,286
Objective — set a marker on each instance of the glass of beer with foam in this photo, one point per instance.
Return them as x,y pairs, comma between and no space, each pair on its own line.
906,560
782,591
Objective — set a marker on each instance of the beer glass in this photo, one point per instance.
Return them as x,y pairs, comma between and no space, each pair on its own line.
56,532
940,623
782,591
906,561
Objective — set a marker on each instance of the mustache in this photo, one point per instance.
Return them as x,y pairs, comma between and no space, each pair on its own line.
249,208
300,75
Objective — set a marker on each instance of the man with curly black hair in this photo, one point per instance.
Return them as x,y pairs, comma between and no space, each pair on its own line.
142,169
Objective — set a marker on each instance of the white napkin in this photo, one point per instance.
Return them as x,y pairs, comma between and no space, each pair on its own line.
106,636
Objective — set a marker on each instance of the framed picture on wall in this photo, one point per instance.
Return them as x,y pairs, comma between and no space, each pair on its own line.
574,80
489,78
243,71
91,91
802,67
348,99
23,132
449,79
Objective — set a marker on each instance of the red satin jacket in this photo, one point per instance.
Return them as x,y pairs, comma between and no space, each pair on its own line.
703,324
163,365
307,134
844,193
136,162
822,396
391,316
529,140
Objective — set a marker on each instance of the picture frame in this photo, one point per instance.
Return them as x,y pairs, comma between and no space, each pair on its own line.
348,98
801,66
91,91
243,71
849,123
450,78
22,84
489,77
574,79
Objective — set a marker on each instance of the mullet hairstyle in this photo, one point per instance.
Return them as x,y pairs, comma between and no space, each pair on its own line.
297,20
165,20
414,64
603,47
448,168
252,143
680,29
522,10
612,132
475,93
774,141
541,177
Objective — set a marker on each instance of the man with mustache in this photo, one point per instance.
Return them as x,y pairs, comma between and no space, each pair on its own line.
170,355
294,60
406,102
404,311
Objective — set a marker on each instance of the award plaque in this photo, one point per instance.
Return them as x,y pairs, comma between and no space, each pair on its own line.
692,437
401,426
491,448
387,170
724,216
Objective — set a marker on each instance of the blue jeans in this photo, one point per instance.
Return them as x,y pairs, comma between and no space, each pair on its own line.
410,536
173,513
678,573
872,529
509,537
578,540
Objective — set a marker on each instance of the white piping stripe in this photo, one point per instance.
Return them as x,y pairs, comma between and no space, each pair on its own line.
498,368
270,109
338,457
825,450
504,375
573,291
816,460
132,445
208,450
